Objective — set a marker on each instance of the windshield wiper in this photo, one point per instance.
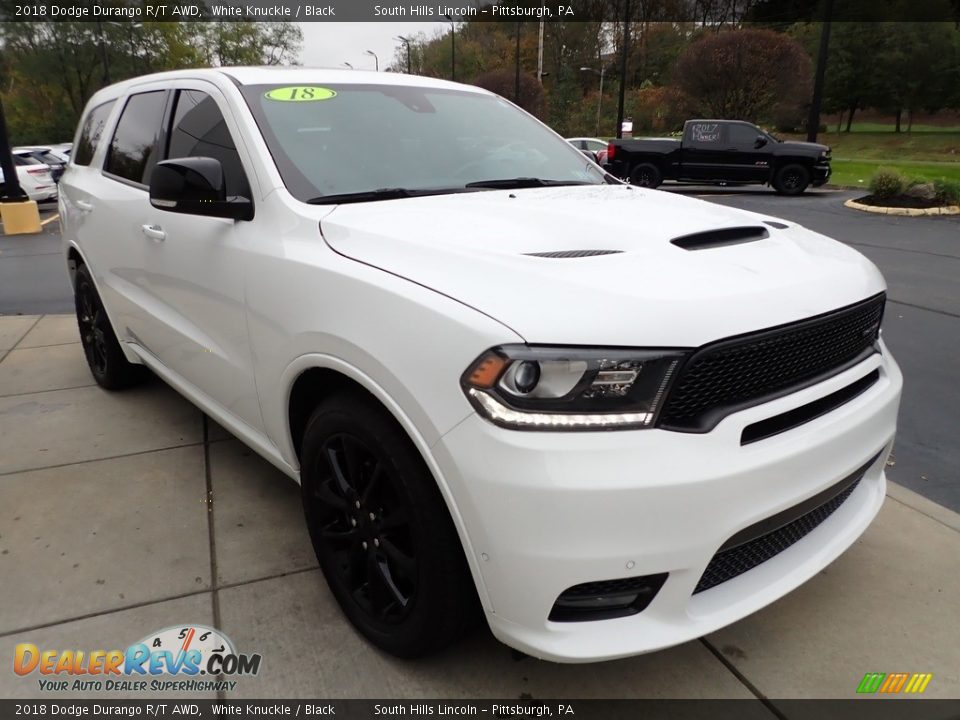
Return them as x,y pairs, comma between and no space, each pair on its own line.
523,182
380,194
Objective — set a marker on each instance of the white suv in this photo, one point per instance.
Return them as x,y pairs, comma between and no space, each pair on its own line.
609,419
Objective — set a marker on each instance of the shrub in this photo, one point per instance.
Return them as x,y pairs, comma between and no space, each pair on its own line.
948,191
887,183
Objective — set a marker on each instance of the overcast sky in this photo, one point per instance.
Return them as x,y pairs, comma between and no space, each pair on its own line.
332,44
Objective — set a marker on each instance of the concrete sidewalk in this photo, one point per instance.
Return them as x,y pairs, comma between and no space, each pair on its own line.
124,513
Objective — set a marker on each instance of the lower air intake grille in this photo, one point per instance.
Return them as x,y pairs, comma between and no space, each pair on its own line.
748,548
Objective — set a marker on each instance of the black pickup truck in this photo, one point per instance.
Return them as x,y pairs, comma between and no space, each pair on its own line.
721,151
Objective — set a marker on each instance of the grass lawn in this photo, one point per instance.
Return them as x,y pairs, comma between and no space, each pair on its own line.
856,173
888,127
889,147
927,153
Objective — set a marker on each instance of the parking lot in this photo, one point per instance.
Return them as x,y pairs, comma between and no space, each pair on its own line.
124,513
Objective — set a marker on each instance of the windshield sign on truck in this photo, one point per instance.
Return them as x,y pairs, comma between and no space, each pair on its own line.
705,132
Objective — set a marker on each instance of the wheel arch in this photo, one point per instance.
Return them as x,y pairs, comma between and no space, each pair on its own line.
784,160
312,378
74,260
657,160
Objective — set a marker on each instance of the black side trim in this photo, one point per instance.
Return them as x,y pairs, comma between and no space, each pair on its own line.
720,238
784,518
805,413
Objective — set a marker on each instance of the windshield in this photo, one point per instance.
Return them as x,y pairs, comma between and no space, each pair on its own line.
341,140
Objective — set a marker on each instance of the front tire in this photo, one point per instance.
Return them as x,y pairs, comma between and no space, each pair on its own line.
381,530
791,179
646,175
108,365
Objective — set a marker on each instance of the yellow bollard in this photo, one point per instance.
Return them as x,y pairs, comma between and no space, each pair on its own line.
20,218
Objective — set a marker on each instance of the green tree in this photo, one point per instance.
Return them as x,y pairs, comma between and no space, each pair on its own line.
917,67
50,69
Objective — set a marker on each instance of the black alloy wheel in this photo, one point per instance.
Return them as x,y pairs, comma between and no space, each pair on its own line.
365,528
108,365
381,529
792,180
90,319
646,175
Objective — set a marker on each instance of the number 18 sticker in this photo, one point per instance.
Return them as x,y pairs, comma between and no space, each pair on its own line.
300,93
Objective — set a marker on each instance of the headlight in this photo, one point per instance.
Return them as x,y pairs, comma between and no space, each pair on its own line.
570,388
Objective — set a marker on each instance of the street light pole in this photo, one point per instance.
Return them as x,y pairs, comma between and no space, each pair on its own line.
11,183
623,68
406,42
376,60
347,65
103,53
601,73
516,87
453,48
813,120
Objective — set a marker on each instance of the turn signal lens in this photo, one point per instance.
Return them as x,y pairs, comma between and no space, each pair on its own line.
486,370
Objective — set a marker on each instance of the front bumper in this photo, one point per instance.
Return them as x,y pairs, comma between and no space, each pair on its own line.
546,511
821,174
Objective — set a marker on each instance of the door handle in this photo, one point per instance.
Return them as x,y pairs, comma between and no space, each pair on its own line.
154,232
84,205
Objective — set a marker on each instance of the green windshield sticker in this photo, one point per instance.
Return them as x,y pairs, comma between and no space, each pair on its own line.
300,93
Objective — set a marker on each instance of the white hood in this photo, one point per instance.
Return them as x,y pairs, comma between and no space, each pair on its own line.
475,247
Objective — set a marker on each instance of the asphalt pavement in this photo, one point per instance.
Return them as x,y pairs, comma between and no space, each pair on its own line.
920,258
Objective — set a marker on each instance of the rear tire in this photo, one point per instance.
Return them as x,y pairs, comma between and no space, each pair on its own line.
646,175
108,365
791,179
381,530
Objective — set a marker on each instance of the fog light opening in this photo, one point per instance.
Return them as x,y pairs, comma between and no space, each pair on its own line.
606,599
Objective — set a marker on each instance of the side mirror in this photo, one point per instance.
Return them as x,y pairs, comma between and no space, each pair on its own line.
759,142
195,186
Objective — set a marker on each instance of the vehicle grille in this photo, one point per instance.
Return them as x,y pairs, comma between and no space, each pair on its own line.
747,549
736,373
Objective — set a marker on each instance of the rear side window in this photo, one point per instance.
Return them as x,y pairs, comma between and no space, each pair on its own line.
90,133
133,150
199,130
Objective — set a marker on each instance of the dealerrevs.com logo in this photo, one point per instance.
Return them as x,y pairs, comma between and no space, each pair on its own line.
187,658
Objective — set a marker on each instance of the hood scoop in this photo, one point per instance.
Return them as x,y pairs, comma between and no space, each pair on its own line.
563,254
720,238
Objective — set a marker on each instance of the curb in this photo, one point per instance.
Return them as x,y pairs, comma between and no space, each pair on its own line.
924,506
907,212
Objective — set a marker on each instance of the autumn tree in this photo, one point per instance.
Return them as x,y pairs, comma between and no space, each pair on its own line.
745,74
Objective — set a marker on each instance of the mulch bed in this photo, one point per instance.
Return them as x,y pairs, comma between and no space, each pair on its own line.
899,201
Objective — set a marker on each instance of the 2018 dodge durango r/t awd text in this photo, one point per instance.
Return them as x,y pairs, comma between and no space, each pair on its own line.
608,419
